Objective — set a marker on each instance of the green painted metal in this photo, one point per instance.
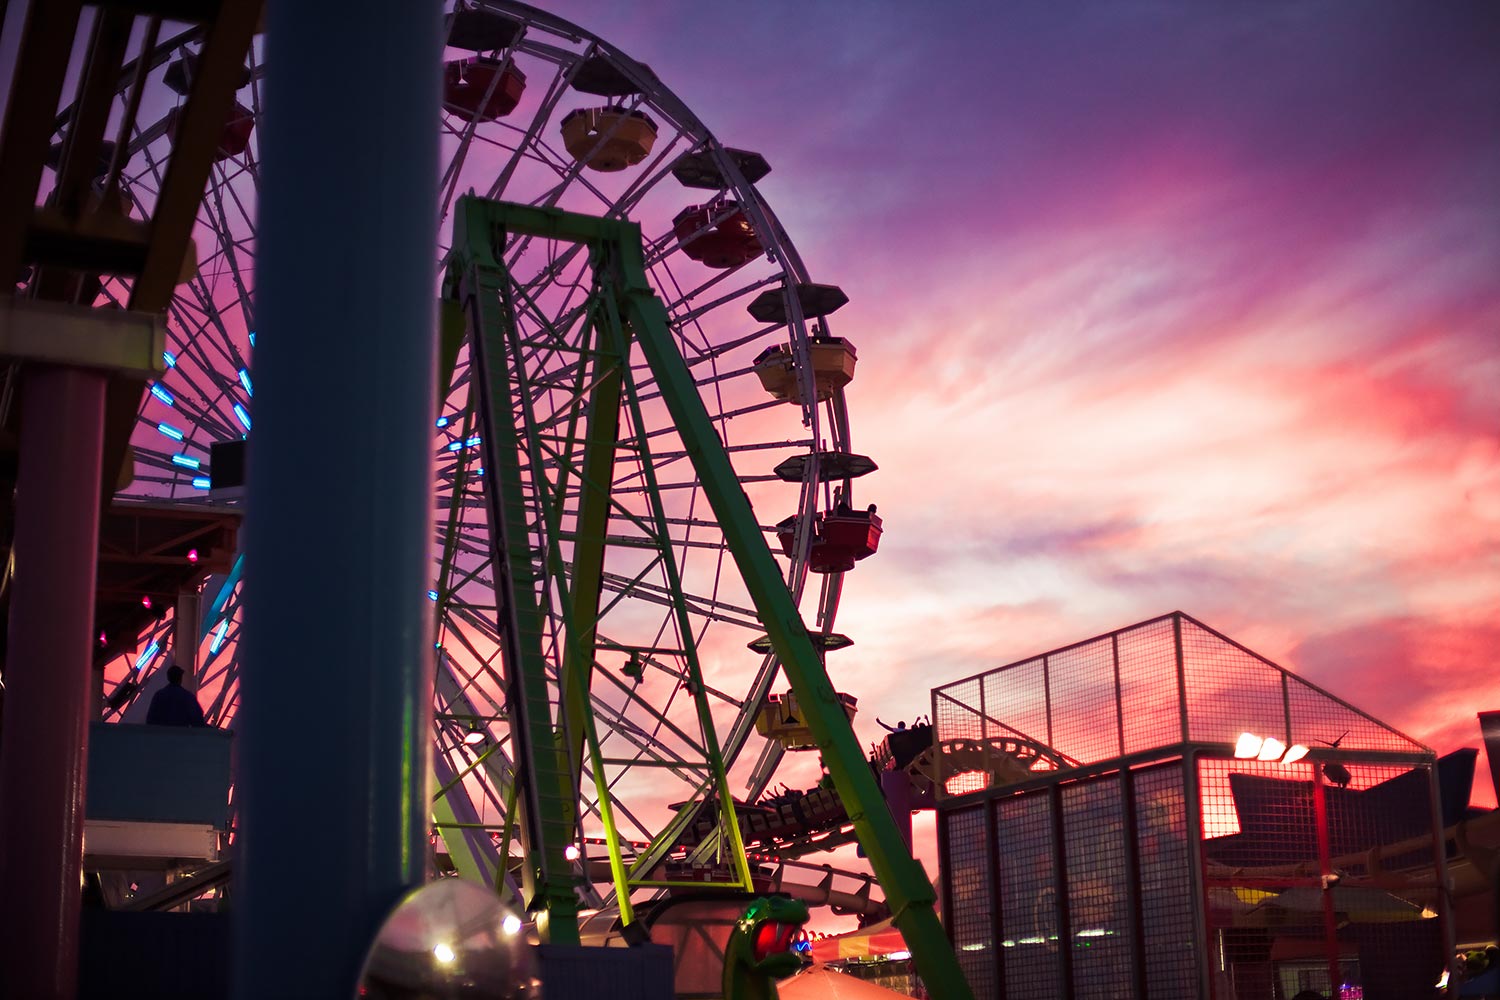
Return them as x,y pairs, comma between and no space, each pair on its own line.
479,227
602,430
908,889
547,878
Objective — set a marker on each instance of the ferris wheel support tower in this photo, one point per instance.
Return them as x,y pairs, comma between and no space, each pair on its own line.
479,225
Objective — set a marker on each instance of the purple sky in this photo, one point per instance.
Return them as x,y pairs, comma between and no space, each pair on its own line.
1158,305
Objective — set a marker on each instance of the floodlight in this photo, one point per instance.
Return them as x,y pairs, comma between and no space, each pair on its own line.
1294,753
1271,749
1247,746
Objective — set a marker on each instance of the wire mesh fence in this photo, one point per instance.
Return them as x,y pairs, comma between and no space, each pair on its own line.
1102,840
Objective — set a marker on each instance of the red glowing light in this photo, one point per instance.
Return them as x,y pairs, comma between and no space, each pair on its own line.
146,601
192,555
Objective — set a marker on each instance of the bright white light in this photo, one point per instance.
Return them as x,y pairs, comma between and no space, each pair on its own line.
1442,982
1271,749
571,852
148,655
1093,932
1294,753
201,482
218,642
511,924
245,381
1247,746
443,953
899,956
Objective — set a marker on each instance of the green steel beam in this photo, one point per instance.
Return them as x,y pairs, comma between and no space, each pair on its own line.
539,757
602,432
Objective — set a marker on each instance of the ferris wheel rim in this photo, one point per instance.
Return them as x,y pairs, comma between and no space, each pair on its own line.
789,262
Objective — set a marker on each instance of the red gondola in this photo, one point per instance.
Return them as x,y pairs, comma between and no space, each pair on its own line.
483,88
717,234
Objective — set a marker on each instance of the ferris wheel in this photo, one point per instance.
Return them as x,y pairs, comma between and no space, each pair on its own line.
539,112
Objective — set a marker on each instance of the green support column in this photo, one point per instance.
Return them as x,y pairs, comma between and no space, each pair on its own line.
540,757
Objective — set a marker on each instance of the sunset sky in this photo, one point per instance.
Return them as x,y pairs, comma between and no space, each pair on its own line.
1158,306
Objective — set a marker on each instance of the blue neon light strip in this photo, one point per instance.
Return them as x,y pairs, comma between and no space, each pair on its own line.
169,358
245,381
170,431
148,655
244,415
201,483
218,642
442,421
432,595
161,394
186,461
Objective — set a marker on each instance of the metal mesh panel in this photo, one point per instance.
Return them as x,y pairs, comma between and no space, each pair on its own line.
1317,717
1016,702
1148,687
1082,682
1031,963
1166,893
1099,904
970,910
1391,933
1229,691
956,710
1277,925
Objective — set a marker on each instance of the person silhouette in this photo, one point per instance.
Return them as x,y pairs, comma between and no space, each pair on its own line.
175,705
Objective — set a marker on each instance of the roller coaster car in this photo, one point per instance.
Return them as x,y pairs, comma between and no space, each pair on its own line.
903,746
782,720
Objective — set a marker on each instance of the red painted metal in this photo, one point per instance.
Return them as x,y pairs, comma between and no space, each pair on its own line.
1325,866
48,684
483,88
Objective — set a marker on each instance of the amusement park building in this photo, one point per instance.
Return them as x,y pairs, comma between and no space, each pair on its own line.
1100,837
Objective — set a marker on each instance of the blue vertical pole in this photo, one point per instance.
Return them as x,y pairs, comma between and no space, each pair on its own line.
337,679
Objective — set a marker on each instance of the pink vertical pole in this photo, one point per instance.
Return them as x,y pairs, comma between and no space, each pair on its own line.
43,760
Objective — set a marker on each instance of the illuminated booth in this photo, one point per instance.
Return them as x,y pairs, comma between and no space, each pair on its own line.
1160,812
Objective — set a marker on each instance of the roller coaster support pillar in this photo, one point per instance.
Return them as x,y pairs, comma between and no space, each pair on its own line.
336,690
48,700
